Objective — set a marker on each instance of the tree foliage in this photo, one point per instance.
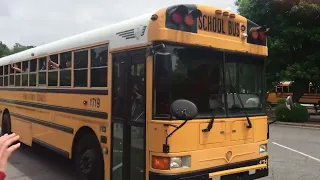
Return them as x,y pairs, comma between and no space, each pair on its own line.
294,41
5,51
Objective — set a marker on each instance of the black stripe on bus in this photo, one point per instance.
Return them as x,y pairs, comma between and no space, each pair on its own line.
52,148
82,112
44,123
66,91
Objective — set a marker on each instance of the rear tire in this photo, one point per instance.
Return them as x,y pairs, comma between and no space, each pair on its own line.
6,124
89,159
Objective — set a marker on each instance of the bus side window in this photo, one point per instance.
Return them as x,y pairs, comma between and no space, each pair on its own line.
33,73
6,78
1,75
17,81
42,71
53,71
99,66
285,89
25,70
11,76
65,69
81,68
279,89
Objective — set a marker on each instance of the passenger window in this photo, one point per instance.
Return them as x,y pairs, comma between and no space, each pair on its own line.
99,66
33,73
279,89
25,70
17,71
285,89
65,69
1,76
53,70
6,80
42,67
81,68
11,76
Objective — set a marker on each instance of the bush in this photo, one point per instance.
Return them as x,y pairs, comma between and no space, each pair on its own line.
297,114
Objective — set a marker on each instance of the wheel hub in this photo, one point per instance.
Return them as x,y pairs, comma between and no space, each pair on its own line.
86,162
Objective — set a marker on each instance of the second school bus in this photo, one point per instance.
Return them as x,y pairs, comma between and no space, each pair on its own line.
284,89
103,97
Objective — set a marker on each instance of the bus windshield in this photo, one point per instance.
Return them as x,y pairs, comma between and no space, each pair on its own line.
209,78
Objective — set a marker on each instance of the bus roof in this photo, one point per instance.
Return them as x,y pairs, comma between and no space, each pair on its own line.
118,35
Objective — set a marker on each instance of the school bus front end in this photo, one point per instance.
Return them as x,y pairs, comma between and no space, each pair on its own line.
207,114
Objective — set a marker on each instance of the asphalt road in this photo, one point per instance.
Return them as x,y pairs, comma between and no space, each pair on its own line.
294,154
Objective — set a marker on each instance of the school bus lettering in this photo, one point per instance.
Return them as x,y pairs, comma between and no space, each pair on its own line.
28,97
41,98
233,28
95,102
34,97
217,25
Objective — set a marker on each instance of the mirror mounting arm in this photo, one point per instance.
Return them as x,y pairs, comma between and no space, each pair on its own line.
153,49
166,147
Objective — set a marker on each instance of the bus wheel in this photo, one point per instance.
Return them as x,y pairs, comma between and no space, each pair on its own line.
89,159
6,124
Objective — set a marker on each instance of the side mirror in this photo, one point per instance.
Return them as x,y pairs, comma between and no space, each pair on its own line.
184,109
289,102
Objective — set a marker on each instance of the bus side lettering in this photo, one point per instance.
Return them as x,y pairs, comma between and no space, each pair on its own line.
95,102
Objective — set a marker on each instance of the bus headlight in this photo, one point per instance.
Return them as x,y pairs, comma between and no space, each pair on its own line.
263,148
167,163
180,162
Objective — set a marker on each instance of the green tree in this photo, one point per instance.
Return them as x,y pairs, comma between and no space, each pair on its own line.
4,50
18,48
294,41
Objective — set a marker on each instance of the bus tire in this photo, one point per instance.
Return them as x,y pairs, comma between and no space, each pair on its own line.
89,162
6,124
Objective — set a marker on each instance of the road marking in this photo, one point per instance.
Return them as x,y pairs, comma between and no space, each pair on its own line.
311,157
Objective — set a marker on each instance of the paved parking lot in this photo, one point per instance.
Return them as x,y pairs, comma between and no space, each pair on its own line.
294,154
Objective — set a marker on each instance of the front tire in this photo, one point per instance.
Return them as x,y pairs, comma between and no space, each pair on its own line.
89,159
6,124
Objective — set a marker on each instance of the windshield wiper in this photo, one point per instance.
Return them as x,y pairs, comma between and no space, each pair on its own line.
209,127
241,103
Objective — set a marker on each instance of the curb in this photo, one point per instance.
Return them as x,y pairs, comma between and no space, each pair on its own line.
313,125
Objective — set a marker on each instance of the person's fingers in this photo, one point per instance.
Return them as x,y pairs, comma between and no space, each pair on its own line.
8,141
6,154
3,137
2,141
11,149
11,140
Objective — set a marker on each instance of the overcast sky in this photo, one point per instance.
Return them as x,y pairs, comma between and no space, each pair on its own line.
36,22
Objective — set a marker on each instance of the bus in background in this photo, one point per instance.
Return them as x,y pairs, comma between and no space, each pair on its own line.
284,89
175,94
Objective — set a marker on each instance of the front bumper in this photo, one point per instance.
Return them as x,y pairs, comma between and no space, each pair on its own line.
206,174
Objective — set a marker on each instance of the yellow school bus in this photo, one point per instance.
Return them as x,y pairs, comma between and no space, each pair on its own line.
175,94
284,89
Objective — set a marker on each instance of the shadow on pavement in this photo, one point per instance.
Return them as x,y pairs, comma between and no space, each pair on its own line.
38,163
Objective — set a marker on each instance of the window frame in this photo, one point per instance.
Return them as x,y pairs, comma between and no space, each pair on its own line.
1,76
98,67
